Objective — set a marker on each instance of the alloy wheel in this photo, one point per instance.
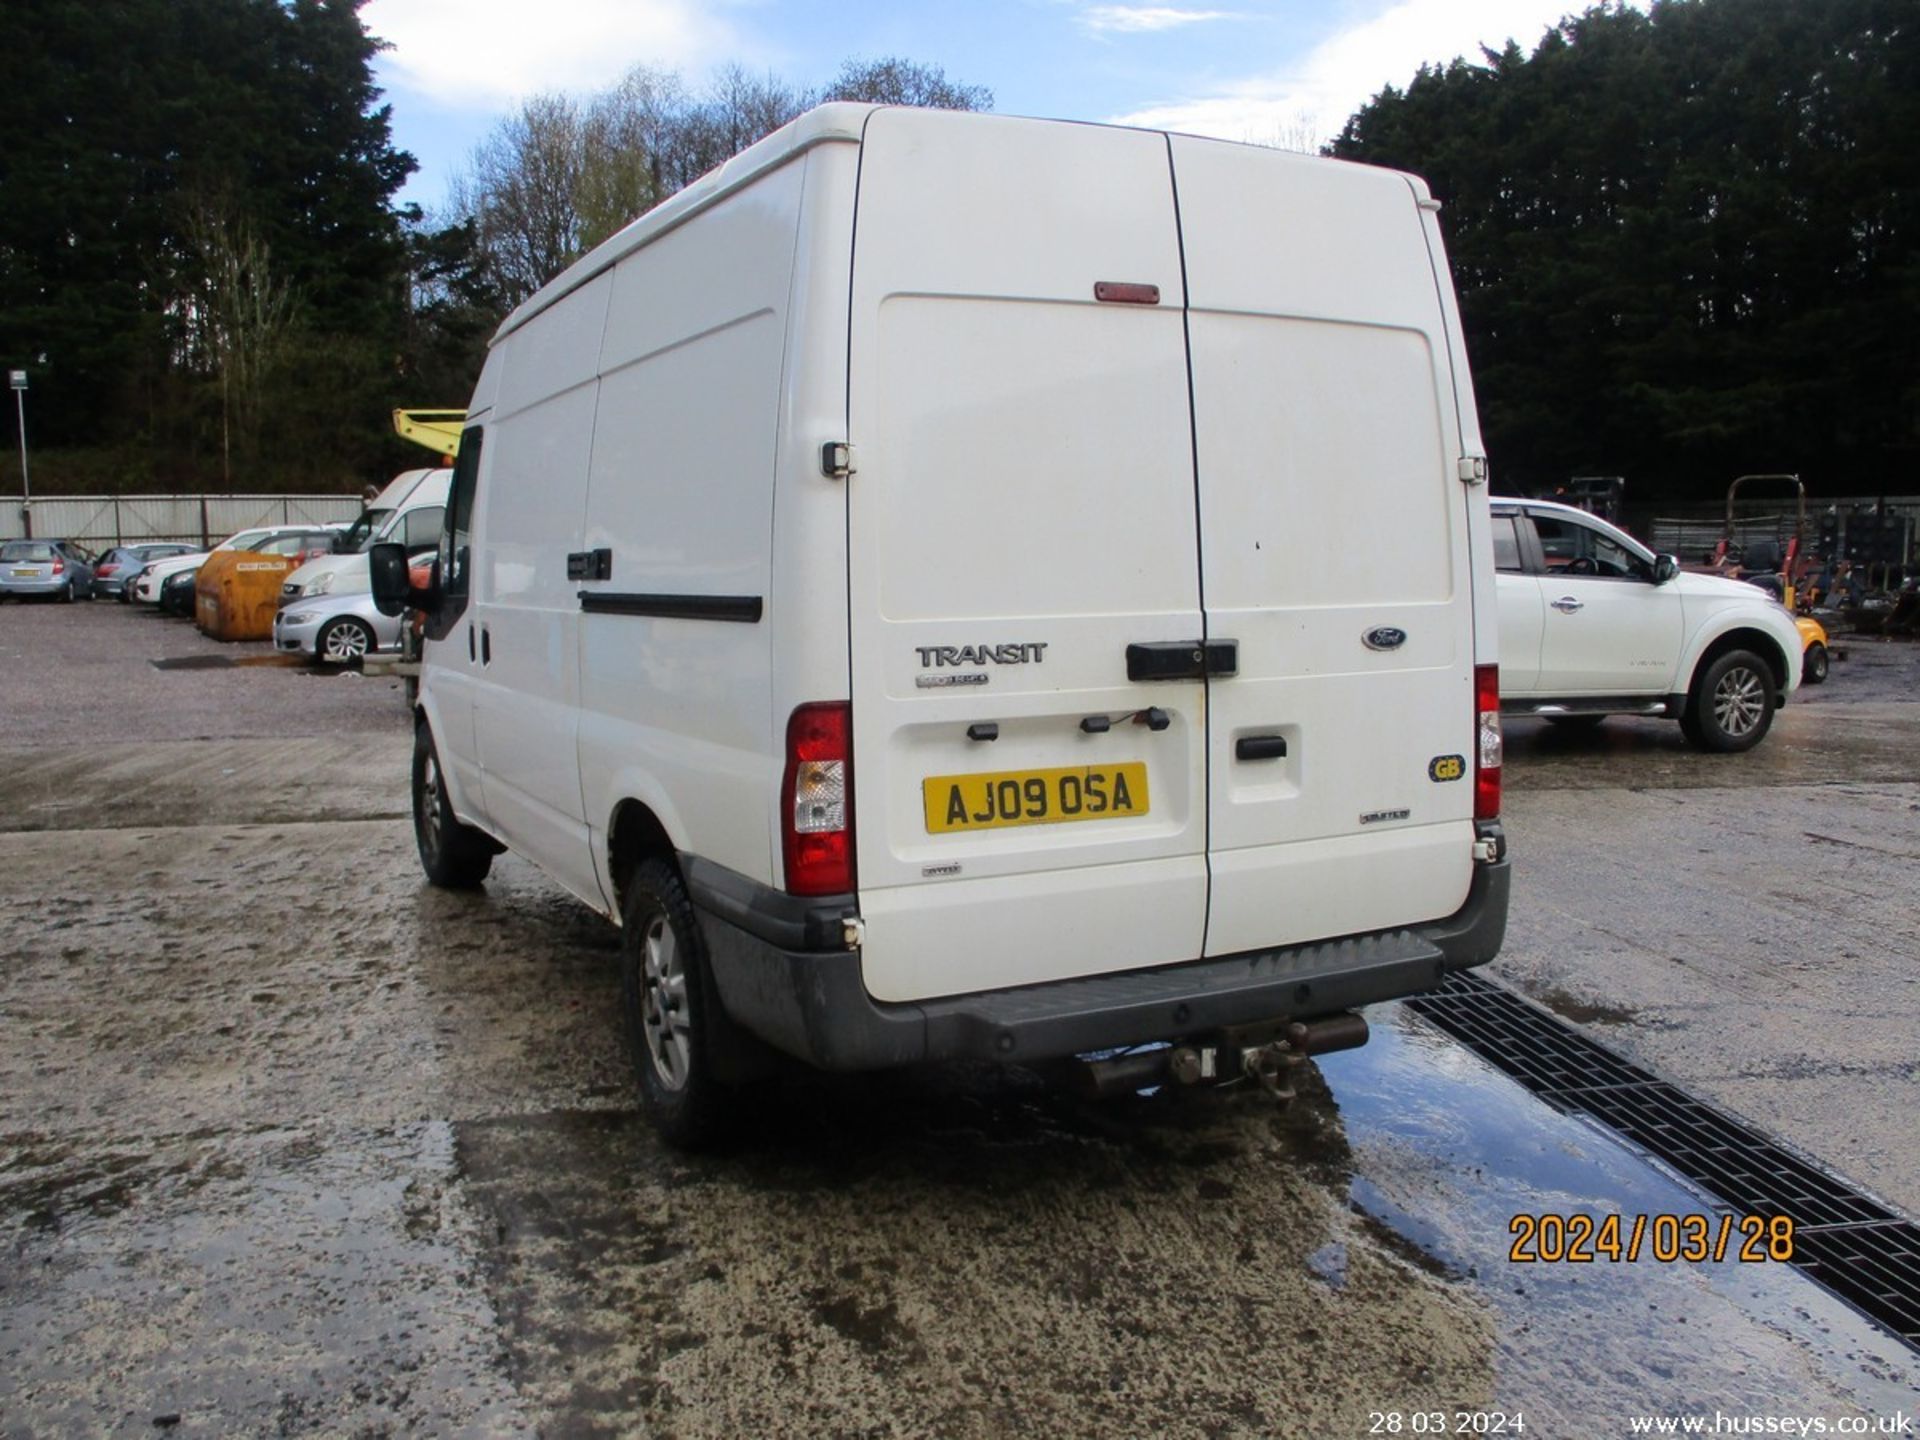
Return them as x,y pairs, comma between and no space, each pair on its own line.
663,1004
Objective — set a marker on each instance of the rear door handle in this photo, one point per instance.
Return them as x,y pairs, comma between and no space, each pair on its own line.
1183,659
1566,604
1260,747
486,646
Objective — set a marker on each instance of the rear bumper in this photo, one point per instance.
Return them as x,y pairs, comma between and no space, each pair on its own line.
782,974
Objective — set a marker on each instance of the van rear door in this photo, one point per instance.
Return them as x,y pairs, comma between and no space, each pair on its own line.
1334,547
1021,514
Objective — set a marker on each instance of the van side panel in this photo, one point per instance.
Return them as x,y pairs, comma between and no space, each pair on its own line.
681,495
528,513
1331,511
807,590
1023,512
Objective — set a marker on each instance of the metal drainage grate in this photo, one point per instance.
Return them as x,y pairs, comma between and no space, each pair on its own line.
1856,1247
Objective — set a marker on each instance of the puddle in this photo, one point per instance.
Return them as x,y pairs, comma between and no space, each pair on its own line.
1583,1012
1446,1152
229,662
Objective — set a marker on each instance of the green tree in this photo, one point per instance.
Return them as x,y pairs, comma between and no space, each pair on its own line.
115,120
1686,241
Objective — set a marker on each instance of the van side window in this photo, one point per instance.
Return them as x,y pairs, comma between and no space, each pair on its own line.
456,537
1506,544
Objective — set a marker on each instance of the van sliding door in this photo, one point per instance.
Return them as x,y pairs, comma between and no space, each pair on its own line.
1030,799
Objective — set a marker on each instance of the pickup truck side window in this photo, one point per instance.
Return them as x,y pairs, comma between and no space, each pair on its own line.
1571,548
1506,545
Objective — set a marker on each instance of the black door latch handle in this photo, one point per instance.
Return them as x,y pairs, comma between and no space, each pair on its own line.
1183,660
1260,747
983,730
590,565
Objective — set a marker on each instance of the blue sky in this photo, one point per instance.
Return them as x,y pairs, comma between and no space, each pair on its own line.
1265,70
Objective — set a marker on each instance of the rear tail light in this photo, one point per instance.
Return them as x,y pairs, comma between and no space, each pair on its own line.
1488,743
816,800
104,570
59,566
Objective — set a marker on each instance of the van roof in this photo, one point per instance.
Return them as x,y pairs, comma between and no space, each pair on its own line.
841,122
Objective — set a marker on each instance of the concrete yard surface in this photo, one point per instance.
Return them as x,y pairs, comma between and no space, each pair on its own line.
293,1144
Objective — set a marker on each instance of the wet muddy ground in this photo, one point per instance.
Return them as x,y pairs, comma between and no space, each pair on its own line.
291,1144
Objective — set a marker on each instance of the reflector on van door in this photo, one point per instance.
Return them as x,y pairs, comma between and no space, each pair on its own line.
1116,292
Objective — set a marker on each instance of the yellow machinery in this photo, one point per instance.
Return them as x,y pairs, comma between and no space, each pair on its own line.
438,430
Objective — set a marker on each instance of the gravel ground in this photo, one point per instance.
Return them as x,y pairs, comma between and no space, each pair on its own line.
94,677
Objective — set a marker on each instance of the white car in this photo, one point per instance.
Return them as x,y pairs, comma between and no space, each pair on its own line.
270,539
1592,623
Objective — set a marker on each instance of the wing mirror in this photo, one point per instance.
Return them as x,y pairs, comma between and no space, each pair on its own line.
1665,567
387,575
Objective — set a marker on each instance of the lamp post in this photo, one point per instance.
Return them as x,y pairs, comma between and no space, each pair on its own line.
17,379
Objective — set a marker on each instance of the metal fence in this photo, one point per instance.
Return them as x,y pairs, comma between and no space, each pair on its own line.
97,521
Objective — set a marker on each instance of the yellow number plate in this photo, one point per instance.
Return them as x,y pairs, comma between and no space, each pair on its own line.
1034,797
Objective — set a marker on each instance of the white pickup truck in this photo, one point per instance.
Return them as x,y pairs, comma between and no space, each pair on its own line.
1592,623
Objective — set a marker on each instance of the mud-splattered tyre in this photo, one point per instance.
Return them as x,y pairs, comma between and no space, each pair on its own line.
1731,704
672,1014
454,856
1813,669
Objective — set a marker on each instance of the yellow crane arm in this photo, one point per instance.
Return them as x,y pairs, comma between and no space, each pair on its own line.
438,430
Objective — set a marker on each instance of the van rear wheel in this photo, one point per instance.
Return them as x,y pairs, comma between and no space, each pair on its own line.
666,994
455,856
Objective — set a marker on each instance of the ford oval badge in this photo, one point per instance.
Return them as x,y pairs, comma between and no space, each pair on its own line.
1384,637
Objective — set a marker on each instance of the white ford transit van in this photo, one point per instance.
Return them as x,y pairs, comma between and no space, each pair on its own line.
961,586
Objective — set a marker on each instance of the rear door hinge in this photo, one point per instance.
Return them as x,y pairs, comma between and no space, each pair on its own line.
836,459
1473,469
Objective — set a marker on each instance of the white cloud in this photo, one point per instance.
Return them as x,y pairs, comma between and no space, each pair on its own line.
490,52
1347,69
1141,19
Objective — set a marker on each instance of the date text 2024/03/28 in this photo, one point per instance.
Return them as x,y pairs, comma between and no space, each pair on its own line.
1035,797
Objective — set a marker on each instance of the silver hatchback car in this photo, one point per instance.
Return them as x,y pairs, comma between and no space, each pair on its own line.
56,569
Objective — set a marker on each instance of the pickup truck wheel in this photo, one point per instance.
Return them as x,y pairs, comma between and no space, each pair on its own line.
1732,703
454,856
667,997
1813,669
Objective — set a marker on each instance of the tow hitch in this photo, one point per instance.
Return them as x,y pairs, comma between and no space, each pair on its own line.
1266,1054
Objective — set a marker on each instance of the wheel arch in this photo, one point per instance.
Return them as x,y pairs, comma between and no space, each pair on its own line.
1744,637
635,833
